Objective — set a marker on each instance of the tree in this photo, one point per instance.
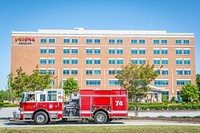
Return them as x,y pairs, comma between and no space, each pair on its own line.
70,86
19,83
198,81
39,81
189,92
24,82
4,95
135,79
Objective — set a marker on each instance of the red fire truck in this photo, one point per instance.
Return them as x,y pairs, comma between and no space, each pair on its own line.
51,105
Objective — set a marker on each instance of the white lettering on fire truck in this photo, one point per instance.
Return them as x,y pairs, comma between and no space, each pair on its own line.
119,103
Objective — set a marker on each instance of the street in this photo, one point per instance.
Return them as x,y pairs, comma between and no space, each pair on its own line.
6,113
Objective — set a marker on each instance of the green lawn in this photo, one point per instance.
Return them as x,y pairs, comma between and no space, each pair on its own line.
105,129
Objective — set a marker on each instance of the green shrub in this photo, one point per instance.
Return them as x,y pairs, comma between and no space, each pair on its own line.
197,117
1,104
10,105
174,117
166,106
161,116
173,100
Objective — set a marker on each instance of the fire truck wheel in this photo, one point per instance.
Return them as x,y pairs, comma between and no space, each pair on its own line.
100,117
40,118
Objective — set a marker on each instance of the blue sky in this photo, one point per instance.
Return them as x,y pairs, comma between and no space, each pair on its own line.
26,15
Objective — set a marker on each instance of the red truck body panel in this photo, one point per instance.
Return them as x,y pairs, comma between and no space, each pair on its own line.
115,102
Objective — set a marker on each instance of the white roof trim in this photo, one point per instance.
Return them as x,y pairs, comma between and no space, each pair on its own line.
101,32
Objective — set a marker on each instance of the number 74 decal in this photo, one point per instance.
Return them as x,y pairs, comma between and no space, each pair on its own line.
119,103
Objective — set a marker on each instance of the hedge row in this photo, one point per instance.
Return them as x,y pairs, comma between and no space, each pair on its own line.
162,106
2,104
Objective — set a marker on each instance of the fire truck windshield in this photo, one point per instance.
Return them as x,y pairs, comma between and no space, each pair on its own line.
23,98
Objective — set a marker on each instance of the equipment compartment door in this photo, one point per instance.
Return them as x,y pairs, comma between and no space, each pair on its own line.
119,106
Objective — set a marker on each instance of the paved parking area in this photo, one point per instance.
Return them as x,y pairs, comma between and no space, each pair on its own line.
7,112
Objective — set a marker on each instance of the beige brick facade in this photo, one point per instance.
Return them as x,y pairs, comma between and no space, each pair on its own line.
26,53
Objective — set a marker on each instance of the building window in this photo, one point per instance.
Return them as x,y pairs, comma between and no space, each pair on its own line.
93,82
52,40
97,61
156,41
119,71
74,61
88,72
187,72
43,50
160,82
97,41
51,61
111,41
65,71
186,52
88,41
51,71
74,40
43,61
134,61
43,71
120,61
164,72
142,51
164,51
164,41
43,40
74,72
119,41
134,51
178,52
66,61
156,51
166,94
113,82
141,41
97,72
182,82
88,61
186,41
111,51
164,61
97,51
51,51
133,41
111,72
156,61
88,51
66,51
178,61
178,41
179,72
142,61
119,51
74,51
157,71
186,61
66,40
111,61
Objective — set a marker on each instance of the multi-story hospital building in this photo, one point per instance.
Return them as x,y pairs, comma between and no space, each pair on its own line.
92,57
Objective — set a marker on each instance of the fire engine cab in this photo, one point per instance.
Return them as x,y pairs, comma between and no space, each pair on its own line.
51,105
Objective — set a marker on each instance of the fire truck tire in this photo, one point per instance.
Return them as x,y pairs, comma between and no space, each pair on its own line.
40,118
100,117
